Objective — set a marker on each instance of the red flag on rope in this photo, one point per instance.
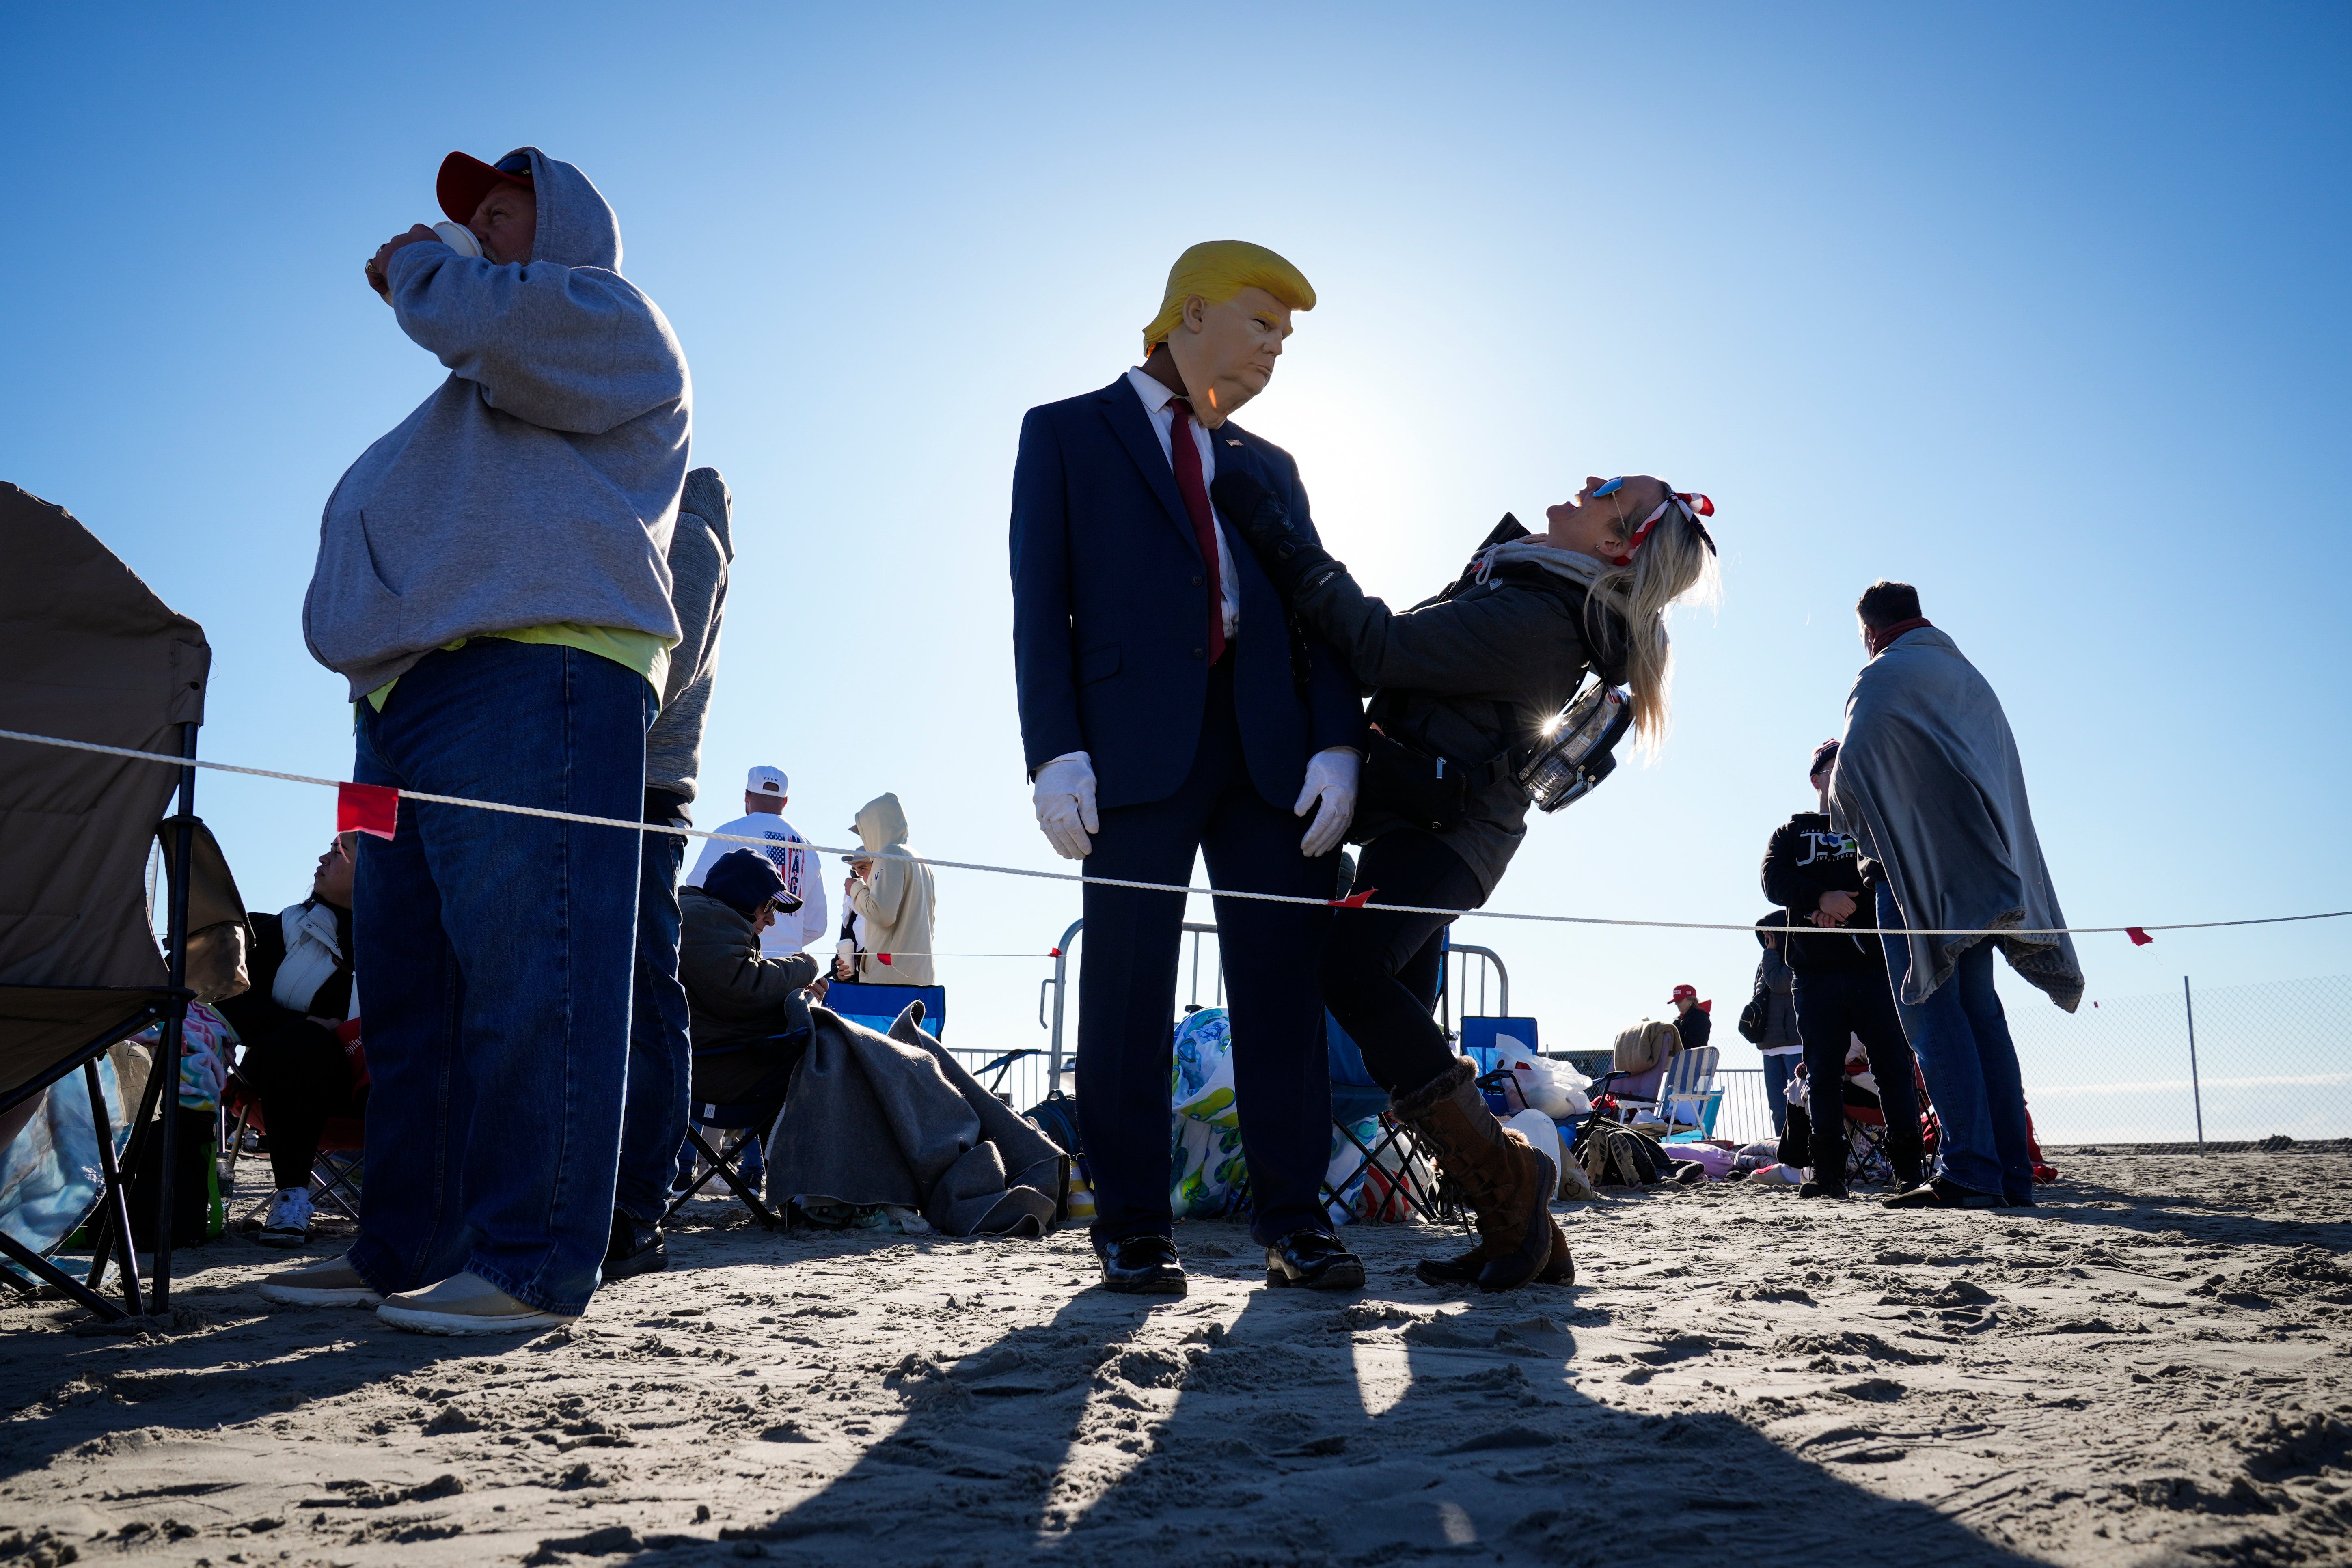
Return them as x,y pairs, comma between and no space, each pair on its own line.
2140,938
883,956
367,808
1353,900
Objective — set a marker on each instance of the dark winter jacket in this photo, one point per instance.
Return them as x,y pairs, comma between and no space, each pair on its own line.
1470,674
1694,1026
254,1013
1804,860
733,994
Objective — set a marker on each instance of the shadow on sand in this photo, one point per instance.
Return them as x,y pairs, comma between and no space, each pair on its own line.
1334,1429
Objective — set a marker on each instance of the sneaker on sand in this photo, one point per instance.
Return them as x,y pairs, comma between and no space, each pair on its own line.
288,1223
329,1283
465,1304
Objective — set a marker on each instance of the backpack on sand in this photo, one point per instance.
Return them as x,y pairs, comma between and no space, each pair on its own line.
1616,1157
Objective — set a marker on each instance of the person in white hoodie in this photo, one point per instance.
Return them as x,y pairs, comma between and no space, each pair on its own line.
893,895
766,793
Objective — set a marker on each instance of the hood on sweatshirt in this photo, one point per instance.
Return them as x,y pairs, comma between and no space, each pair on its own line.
539,483
707,498
881,823
577,226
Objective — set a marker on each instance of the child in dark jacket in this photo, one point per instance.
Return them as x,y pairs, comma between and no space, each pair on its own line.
1811,871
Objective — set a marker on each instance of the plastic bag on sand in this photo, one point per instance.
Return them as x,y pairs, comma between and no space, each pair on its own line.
1208,1177
1557,1089
1547,1139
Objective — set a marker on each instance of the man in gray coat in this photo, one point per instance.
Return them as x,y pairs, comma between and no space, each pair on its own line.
654,1120
492,585
1929,783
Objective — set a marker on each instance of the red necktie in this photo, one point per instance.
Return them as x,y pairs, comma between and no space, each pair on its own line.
1185,456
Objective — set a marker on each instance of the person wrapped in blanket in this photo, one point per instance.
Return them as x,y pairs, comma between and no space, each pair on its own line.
297,1067
1473,675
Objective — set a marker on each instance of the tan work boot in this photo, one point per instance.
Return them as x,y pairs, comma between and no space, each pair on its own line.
465,1304
331,1282
1507,1184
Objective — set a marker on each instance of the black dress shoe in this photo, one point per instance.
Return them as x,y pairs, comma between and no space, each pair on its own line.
636,1247
1944,1193
1142,1266
1314,1261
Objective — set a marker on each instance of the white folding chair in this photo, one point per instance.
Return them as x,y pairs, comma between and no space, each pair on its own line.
1689,1096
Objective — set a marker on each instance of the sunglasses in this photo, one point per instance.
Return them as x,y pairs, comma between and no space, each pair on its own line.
1694,507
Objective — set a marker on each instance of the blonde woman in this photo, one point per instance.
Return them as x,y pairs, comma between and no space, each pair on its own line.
1472,675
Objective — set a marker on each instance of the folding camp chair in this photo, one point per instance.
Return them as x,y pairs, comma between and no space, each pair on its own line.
744,1120
878,1006
88,653
1689,1096
1408,1187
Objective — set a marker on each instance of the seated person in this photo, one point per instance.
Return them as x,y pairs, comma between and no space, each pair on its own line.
300,964
749,1012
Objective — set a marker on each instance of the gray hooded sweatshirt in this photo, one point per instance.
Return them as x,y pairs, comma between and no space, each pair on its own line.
538,484
700,551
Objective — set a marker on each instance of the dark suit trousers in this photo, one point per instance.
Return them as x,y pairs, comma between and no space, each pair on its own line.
1127,991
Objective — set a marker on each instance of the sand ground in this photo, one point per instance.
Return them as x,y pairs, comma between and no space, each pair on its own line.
2156,1367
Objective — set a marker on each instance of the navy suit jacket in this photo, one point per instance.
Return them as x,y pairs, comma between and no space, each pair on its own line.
1110,610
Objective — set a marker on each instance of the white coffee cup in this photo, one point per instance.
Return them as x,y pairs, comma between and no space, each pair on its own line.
459,238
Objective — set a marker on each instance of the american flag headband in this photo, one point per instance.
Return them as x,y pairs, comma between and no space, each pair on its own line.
1692,505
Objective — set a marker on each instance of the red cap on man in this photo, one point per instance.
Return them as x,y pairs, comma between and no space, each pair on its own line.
466,180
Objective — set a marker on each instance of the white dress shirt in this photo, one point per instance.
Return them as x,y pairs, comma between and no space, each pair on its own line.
1155,395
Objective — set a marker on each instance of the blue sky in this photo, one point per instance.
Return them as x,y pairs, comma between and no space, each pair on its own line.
2039,308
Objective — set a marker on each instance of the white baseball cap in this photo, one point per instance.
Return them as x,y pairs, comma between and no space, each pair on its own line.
766,781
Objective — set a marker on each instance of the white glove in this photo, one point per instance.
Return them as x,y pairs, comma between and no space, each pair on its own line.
1330,779
1064,798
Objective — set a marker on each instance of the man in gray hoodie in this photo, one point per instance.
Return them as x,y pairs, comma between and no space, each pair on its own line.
492,582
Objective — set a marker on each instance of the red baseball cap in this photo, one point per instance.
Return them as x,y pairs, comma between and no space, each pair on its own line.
1683,991
466,180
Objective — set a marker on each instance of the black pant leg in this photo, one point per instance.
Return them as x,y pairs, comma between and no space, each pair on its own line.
1381,968
1871,1007
1126,999
1824,1021
302,1077
1282,1066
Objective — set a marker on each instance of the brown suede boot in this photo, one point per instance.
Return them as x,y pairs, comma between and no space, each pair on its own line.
1506,1184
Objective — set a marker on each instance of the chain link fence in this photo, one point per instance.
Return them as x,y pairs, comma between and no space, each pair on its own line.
2233,1064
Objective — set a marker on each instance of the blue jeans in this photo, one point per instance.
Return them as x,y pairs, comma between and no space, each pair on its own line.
497,949
1961,1038
1777,1072
661,1060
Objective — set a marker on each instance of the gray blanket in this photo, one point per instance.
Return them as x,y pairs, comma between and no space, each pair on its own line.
876,1118
1930,783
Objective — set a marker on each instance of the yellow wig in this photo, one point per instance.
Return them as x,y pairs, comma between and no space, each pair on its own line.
1217,269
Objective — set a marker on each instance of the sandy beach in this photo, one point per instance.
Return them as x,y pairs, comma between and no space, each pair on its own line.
2154,1367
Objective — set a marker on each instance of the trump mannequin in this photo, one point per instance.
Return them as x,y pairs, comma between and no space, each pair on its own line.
1168,709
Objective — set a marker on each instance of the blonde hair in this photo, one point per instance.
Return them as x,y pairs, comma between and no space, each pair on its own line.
1217,269
1672,561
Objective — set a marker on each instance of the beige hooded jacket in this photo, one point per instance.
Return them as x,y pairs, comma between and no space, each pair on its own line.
894,899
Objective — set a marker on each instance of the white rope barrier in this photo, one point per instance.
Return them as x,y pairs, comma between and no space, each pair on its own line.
864,854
